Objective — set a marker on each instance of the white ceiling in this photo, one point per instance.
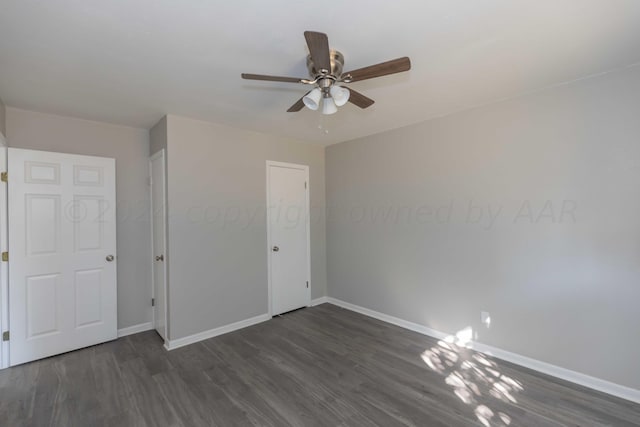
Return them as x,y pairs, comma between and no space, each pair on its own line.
131,61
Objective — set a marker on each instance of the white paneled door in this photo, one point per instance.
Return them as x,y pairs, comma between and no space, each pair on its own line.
288,236
62,248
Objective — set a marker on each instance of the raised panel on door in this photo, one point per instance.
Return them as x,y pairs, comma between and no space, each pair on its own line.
88,226
41,173
62,221
42,305
88,297
288,234
42,224
84,175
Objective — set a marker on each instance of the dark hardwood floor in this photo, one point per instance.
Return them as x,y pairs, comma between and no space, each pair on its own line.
321,366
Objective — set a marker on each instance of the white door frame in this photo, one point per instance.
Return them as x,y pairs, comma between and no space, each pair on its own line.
153,157
4,266
304,168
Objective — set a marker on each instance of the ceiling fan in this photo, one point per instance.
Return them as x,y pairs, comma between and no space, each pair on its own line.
325,71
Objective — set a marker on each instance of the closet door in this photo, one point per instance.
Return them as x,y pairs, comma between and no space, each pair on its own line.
159,227
288,236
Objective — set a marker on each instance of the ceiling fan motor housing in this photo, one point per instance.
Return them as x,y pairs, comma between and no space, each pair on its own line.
337,63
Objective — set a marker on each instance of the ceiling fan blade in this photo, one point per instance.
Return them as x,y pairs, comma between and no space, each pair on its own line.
384,68
319,48
359,99
271,78
299,105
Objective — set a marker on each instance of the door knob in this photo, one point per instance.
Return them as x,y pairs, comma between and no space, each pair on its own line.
110,258
160,258
275,249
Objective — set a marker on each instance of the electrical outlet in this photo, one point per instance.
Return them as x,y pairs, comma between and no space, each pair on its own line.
485,318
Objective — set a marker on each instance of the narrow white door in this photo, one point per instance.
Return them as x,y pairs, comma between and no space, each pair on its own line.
62,243
288,236
158,207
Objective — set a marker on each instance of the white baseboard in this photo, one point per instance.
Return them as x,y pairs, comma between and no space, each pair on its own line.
585,380
201,336
318,301
389,319
130,330
598,384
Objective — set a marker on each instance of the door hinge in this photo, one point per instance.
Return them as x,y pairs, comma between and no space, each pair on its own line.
4,177
153,302
5,256
305,185
307,284
5,336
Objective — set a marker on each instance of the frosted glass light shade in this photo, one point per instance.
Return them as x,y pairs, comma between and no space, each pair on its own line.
340,95
312,99
328,106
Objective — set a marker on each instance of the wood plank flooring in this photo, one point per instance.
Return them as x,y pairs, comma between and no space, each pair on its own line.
320,366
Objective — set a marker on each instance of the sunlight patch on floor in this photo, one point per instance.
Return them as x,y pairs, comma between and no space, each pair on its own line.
475,379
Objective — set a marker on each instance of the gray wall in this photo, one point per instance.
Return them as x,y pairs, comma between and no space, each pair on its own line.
3,113
158,136
130,148
219,262
563,289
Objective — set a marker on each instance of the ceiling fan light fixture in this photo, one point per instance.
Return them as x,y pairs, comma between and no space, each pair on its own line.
340,95
312,99
328,106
